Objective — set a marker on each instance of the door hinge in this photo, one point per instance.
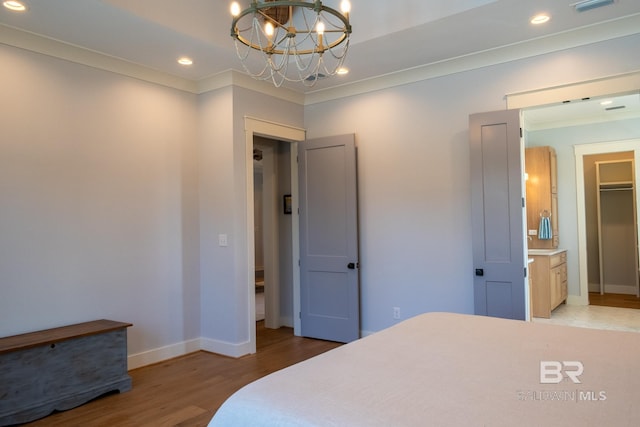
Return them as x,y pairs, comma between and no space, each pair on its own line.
520,132
525,272
299,315
523,203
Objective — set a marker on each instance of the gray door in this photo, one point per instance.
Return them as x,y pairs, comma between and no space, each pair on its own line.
329,282
497,203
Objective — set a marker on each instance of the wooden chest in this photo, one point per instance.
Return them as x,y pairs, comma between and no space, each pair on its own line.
61,368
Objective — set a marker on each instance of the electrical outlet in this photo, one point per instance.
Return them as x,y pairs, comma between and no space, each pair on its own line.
396,312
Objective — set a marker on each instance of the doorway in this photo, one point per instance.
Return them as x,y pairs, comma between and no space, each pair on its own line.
286,135
590,248
272,233
591,130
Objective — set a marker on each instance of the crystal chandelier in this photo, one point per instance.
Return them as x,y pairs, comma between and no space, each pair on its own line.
293,41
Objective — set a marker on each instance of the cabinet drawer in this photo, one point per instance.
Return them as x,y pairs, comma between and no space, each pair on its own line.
557,259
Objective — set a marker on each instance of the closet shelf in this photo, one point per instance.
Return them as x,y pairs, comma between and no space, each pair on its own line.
618,185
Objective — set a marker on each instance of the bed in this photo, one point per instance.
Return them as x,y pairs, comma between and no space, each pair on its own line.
446,369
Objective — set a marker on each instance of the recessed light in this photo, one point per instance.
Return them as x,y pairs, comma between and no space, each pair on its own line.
14,5
342,71
185,61
608,102
540,19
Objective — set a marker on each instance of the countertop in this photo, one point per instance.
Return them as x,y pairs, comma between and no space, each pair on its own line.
545,252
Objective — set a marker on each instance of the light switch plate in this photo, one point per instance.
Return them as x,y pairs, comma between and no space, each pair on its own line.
222,240
533,232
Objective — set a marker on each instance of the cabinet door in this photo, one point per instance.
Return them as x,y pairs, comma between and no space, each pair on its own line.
555,286
564,292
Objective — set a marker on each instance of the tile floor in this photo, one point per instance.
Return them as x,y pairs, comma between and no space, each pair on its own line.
596,317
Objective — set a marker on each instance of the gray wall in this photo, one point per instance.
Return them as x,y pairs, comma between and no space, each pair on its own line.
114,192
415,220
99,187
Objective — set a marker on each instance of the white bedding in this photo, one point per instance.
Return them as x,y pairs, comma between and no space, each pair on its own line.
446,369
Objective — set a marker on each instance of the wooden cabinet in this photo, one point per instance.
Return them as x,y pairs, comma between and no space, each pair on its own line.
61,368
542,194
549,281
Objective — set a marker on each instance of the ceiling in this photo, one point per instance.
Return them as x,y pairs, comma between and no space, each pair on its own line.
387,36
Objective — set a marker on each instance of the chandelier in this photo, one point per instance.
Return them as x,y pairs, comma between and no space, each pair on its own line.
293,41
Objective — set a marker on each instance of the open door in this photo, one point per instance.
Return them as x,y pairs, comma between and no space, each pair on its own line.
329,277
497,199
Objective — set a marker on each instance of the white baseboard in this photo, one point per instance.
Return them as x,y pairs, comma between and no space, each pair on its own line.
225,348
620,289
613,289
163,353
578,300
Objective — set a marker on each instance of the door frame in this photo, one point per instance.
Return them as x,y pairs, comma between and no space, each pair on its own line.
285,133
606,86
580,151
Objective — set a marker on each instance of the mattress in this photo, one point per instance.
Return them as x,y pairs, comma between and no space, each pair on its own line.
446,369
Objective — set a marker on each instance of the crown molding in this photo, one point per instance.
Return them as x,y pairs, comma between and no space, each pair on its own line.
238,79
621,27
47,46
36,43
604,86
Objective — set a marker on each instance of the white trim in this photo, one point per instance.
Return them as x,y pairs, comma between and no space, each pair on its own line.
163,353
225,348
295,239
616,28
620,27
620,289
582,150
281,132
605,86
238,79
36,43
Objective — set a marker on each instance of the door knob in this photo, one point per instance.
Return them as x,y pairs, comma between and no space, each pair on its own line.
479,271
351,266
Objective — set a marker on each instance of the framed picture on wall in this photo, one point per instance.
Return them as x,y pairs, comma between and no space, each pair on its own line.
286,202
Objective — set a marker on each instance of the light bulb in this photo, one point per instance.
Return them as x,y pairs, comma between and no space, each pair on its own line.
235,9
345,6
320,28
268,29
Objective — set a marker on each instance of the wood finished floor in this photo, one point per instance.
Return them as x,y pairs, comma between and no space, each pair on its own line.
187,391
614,300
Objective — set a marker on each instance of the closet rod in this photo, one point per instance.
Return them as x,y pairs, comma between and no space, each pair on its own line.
617,189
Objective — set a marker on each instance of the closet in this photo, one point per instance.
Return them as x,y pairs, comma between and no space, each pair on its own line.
617,227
